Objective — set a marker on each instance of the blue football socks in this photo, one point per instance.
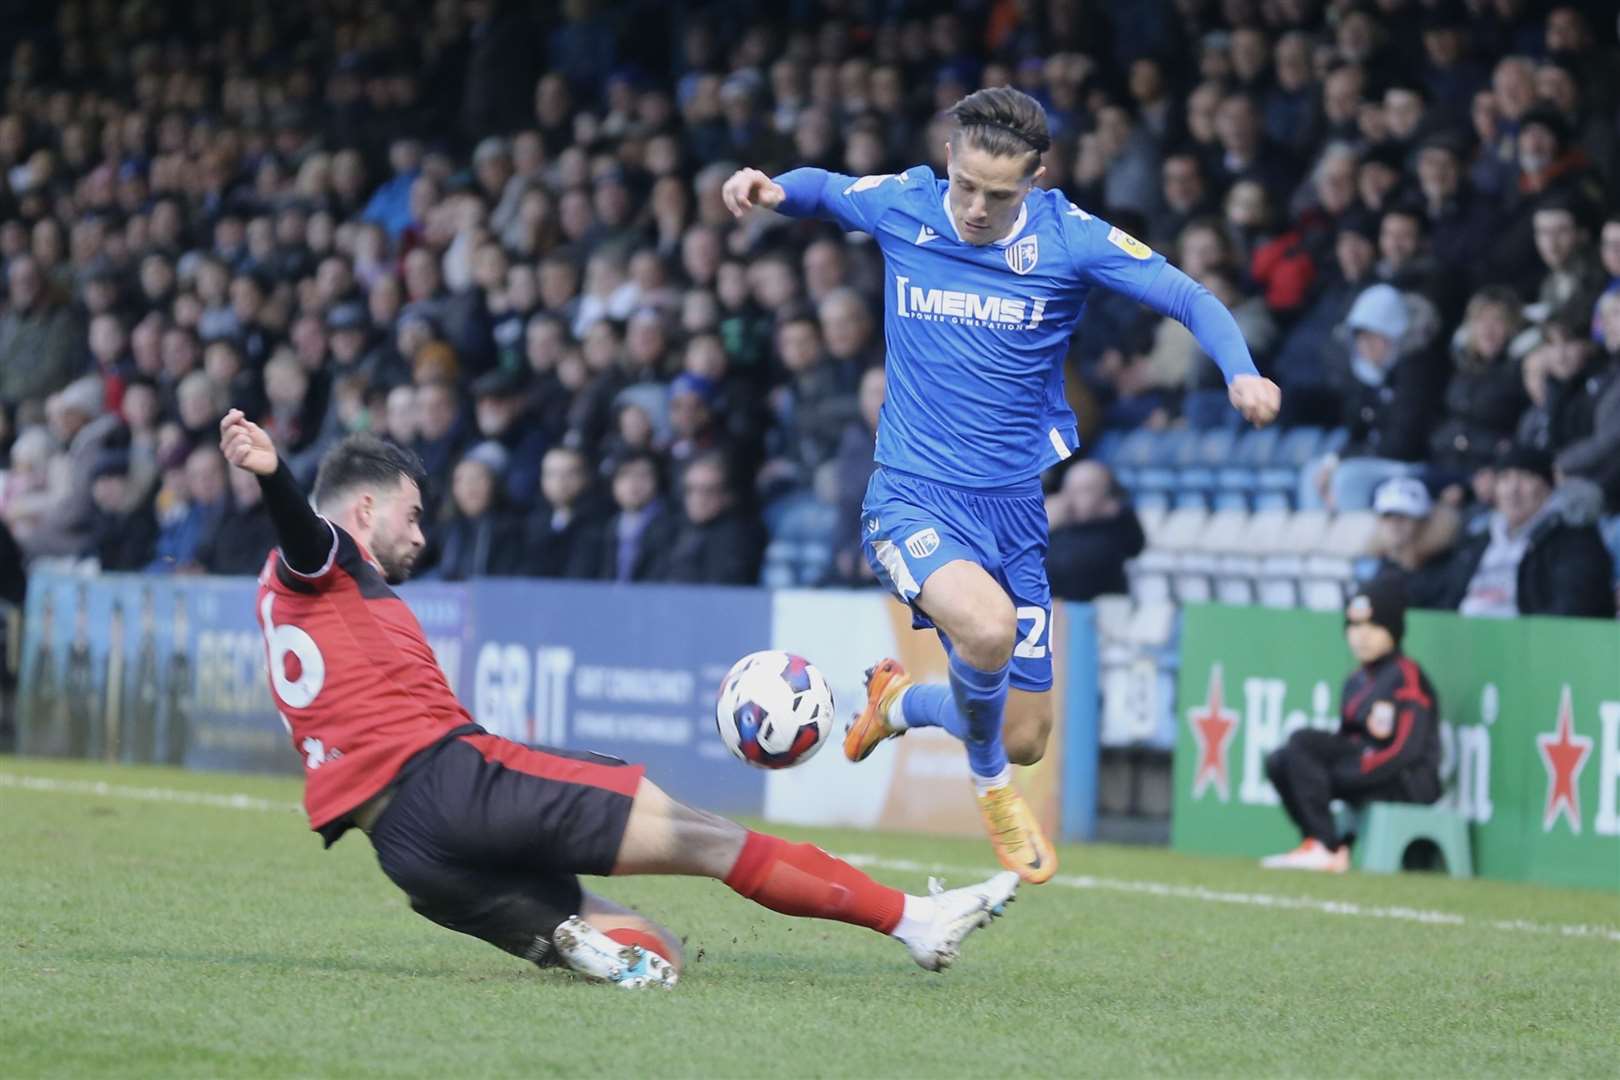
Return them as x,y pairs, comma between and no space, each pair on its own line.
970,708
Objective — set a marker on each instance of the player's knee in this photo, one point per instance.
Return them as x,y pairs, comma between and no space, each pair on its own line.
987,640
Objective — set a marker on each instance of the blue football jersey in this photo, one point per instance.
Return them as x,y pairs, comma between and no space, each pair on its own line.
976,335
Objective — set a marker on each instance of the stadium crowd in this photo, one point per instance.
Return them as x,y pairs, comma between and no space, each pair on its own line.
492,232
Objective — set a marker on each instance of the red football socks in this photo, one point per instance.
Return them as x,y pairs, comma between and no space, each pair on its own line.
803,880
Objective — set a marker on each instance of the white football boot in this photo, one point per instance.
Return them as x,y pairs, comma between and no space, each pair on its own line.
957,913
593,955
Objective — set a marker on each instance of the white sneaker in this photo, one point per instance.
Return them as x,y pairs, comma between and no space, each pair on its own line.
957,913
1312,854
590,953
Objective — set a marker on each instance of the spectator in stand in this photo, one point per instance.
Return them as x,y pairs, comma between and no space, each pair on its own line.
500,408
243,536
1593,453
1389,394
190,506
123,532
1574,275
478,537
1094,532
1184,196
440,438
1541,554
848,474
1299,368
41,342
715,543
1559,377
563,537
1415,536
1387,748
1457,219
808,412
636,539
1486,397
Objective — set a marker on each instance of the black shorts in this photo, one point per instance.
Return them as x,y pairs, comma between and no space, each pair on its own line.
486,835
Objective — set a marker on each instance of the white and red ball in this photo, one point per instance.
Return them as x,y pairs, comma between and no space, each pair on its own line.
775,709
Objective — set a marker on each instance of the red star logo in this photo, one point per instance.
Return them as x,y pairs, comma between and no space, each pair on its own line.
1212,725
1563,753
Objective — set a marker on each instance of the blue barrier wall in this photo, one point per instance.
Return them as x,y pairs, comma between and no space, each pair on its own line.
171,670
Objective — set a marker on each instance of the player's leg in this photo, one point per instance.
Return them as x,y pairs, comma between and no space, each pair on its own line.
610,943
1028,725
975,617
664,836
1306,764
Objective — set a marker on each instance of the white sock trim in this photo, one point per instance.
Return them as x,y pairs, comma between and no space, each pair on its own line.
982,784
915,918
896,716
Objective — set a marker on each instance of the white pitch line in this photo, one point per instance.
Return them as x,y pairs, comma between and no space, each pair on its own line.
143,794
1262,900
1199,893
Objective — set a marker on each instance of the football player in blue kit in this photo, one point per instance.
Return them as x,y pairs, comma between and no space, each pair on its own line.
986,278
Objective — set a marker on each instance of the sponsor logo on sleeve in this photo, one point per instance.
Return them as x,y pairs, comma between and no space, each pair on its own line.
1129,244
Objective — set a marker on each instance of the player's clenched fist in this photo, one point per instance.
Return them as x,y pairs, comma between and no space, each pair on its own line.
245,444
1256,398
748,188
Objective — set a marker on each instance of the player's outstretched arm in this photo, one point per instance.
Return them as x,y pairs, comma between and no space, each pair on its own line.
305,540
1173,293
854,202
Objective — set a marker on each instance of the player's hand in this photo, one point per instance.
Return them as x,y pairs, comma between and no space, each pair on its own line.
748,188
245,444
1256,398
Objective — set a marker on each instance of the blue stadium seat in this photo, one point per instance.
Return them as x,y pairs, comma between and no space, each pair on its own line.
1206,410
1166,446
1293,452
1256,446
1190,500
1273,500
1151,501
1231,499
1106,448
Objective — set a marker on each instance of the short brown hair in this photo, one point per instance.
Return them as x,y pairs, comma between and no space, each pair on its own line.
1002,121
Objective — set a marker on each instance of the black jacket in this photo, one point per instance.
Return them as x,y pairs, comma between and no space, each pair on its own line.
1087,559
1483,404
1390,711
126,541
239,543
725,551
652,549
571,551
490,545
1566,570
1393,419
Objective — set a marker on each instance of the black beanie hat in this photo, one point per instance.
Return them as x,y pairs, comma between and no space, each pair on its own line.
1382,602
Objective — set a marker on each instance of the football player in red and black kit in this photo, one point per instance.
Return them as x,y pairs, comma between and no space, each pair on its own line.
486,835
1387,748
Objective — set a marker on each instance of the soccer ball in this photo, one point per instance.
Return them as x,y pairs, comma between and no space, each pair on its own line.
775,710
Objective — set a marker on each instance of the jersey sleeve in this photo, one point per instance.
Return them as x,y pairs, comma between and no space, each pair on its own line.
1109,256
308,542
854,202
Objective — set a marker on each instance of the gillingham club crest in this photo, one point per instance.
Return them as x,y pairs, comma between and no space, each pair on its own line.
1023,255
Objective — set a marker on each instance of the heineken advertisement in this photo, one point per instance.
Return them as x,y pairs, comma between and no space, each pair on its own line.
1530,712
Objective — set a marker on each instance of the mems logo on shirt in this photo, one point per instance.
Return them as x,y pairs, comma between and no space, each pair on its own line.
965,308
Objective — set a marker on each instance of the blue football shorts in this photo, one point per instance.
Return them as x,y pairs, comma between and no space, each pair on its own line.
912,527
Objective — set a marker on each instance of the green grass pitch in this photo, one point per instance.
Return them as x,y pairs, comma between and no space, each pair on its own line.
147,935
